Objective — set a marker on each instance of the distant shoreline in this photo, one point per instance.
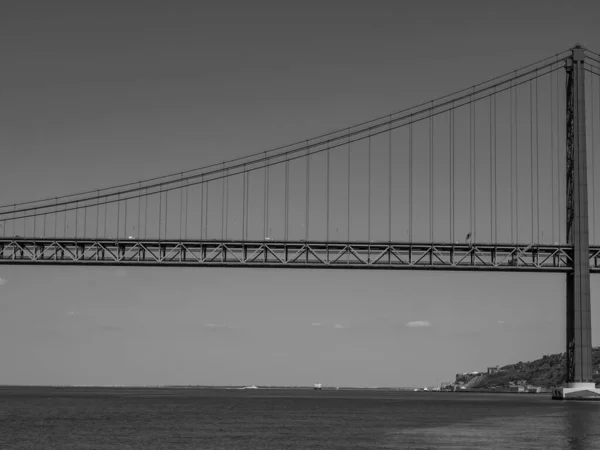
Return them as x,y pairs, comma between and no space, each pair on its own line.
485,391
238,387
258,388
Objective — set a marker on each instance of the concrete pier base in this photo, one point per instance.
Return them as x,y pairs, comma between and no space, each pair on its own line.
577,391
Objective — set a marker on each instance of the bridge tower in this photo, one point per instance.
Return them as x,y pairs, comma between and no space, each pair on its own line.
579,384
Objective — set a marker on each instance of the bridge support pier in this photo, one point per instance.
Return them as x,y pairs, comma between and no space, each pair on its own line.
577,391
579,382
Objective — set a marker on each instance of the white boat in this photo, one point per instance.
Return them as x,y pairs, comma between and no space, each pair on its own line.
318,386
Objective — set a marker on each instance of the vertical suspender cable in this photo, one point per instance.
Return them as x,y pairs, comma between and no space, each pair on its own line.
552,149
491,100
327,196
166,211
287,196
125,221
451,175
410,177
431,174
226,203
139,231
206,210
244,204
76,219
512,209
247,202
369,193
531,156
308,190
118,216
97,215
558,155
495,171
537,160
474,128
187,192
159,211
181,207
266,201
105,216
201,207
244,174
594,163
390,180
471,165
348,208
224,189
593,167
268,163
146,214
223,201
516,167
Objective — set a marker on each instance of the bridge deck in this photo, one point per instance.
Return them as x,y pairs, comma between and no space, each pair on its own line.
343,255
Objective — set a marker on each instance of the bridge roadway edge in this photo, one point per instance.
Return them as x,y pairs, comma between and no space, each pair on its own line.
293,254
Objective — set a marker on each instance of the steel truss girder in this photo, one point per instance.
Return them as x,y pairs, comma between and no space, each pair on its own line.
353,255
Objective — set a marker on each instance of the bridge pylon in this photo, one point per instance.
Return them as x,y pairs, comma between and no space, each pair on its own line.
579,382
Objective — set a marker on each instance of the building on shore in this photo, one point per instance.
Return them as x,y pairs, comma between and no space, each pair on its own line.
493,370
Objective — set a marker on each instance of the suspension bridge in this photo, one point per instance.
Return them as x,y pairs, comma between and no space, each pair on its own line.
493,177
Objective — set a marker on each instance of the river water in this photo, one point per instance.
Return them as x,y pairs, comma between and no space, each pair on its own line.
164,418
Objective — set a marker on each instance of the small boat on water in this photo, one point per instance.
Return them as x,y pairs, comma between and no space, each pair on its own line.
318,386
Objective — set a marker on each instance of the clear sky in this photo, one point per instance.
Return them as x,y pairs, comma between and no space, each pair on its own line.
92,96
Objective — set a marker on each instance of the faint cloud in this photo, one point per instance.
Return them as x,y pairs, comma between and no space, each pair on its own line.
338,326
73,313
316,324
501,322
418,324
2,281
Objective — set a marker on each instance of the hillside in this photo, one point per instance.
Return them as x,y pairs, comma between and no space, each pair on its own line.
546,372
